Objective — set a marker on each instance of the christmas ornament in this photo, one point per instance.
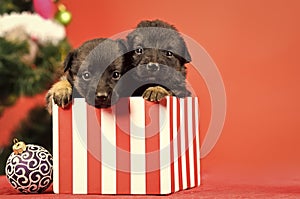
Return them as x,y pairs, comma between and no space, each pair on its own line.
29,168
63,16
45,8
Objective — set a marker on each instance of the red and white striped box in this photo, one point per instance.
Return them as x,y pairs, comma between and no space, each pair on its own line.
133,147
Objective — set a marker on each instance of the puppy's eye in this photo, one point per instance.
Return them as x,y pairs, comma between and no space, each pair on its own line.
86,76
139,50
116,75
169,54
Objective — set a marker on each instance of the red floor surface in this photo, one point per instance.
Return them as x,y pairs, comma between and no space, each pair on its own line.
255,45
204,191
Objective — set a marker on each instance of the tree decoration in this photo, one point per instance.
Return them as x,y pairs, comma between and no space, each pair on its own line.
63,16
29,168
31,54
32,26
45,8
32,47
35,128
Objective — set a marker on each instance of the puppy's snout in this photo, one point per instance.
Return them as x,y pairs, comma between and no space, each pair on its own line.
152,67
102,96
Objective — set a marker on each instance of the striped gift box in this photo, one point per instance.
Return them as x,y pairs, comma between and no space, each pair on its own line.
133,147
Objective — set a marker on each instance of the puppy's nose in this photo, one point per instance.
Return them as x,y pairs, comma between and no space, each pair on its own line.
152,67
102,96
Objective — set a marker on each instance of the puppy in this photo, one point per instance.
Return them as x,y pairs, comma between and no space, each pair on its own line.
158,55
91,71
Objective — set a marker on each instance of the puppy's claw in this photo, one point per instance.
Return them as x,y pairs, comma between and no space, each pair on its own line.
160,96
147,94
155,94
66,101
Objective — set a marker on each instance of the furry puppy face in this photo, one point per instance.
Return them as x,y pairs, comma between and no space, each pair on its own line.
158,54
94,69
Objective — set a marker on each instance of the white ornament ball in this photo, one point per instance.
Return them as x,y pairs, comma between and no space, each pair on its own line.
29,170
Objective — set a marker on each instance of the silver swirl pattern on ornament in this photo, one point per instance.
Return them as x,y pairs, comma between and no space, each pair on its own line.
30,171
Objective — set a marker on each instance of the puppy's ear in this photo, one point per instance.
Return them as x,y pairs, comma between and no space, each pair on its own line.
187,57
129,40
69,59
133,39
123,45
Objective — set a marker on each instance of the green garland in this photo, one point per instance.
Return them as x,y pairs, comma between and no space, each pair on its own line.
8,6
17,78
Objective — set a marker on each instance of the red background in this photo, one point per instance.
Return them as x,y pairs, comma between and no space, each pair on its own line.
255,45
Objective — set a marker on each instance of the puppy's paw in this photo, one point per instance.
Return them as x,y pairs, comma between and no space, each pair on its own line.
155,94
60,93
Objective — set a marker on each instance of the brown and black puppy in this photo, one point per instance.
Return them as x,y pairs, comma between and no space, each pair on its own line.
158,55
91,71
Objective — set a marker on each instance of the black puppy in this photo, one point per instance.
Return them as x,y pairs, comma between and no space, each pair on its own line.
158,55
91,71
